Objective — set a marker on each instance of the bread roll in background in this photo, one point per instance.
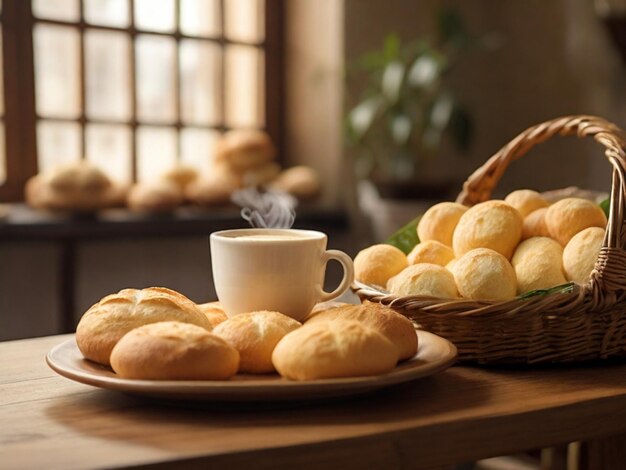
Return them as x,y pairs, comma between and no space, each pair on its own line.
439,221
431,251
244,149
334,349
538,264
213,312
490,224
214,189
102,326
397,328
377,263
526,201
261,175
173,351
424,279
581,253
155,197
255,336
535,224
302,182
567,217
484,274
180,175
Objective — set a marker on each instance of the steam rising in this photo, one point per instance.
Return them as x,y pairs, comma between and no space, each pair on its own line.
268,209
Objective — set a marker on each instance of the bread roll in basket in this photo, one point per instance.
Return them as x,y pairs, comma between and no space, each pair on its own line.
577,324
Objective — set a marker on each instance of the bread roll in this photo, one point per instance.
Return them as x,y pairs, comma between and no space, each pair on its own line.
525,201
431,251
490,224
180,175
302,182
155,197
214,313
567,217
261,175
425,279
81,176
102,326
538,264
255,336
395,327
535,224
581,253
173,351
438,222
244,149
334,349
376,264
214,189
485,274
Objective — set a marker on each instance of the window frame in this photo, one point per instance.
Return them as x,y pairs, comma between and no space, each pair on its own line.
21,118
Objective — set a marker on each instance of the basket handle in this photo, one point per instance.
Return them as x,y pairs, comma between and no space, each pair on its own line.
608,279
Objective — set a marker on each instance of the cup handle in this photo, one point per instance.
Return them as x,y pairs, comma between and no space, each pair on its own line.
348,273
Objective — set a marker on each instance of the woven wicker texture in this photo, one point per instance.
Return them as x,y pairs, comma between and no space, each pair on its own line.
587,323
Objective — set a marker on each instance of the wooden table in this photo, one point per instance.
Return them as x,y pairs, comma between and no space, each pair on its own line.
460,415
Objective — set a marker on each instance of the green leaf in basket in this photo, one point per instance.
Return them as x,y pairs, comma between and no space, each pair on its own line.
606,205
561,289
406,237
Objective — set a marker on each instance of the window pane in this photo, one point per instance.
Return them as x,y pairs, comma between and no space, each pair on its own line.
107,75
154,15
3,159
156,81
244,20
244,85
64,10
56,71
200,17
200,82
109,147
107,12
57,143
198,148
156,151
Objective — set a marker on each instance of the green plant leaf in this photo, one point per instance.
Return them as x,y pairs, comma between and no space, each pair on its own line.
392,79
561,289
606,206
391,47
424,72
362,116
452,28
405,238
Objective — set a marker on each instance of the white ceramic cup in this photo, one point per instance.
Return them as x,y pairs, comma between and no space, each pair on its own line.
274,269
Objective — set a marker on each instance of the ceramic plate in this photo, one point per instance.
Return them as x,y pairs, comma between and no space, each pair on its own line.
434,355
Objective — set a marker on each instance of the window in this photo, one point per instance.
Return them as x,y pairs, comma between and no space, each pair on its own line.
133,85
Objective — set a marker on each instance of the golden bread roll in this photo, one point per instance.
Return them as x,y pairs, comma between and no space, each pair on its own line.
426,279
173,351
320,307
102,326
581,253
80,176
535,224
243,149
395,327
155,197
538,264
255,335
438,222
214,313
334,349
526,201
567,217
260,175
450,265
180,175
302,182
490,224
214,189
431,251
377,263
484,274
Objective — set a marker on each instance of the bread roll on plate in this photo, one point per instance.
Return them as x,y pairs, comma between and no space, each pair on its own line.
334,349
396,328
214,313
255,336
104,324
173,351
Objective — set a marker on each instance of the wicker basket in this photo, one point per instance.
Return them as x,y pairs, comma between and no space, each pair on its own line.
587,323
